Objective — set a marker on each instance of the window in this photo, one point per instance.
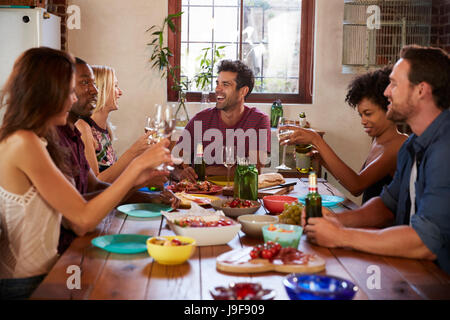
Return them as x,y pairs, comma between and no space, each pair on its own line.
274,37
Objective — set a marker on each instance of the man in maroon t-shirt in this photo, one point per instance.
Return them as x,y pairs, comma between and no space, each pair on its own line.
234,122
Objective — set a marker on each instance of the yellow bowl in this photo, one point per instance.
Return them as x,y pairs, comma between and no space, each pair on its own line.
171,255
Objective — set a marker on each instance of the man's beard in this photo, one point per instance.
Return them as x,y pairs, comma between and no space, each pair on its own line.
82,111
225,108
394,115
227,105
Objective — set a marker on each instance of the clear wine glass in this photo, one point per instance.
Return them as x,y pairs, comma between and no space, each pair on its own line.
150,127
163,124
283,131
229,159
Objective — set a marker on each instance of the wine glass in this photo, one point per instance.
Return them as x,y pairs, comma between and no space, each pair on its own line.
163,124
283,132
150,127
164,121
229,159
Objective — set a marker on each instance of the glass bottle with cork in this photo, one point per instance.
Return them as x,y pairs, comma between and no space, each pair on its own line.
302,160
199,163
313,200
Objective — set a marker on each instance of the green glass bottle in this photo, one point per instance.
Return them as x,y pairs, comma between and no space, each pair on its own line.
199,163
246,181
276,112
313,200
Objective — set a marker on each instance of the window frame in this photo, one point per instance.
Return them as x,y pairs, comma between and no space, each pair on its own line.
306,63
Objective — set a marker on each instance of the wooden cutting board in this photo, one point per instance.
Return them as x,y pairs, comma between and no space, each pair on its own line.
239,261
272,192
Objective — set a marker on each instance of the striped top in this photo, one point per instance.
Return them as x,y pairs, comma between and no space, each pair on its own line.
252,118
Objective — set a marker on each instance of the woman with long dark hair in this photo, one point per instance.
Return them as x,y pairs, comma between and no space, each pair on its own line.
36,189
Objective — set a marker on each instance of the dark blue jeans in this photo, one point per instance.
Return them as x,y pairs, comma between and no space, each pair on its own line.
20,288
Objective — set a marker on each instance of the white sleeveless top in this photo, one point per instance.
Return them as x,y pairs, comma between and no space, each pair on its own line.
29,234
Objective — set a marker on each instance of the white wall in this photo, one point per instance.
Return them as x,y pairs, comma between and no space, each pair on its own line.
113,33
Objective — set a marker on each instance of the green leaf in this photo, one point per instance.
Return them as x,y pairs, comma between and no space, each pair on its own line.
171,25
150,28
155,64
174,15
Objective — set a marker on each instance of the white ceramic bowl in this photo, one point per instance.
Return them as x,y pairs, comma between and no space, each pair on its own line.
252,223
234,212
208,236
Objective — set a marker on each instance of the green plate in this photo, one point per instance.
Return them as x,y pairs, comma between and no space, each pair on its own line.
122,243
144,210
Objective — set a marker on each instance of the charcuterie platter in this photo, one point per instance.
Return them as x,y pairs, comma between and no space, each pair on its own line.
240,261
199,187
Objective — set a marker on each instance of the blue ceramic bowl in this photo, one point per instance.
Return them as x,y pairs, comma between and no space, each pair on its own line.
318,287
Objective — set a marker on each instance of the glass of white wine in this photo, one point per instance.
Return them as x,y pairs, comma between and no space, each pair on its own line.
283,131
229,159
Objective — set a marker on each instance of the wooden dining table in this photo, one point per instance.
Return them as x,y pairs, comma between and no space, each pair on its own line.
106,275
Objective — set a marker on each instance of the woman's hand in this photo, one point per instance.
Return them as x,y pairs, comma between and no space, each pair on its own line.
141,144
156,154
300,136
146,163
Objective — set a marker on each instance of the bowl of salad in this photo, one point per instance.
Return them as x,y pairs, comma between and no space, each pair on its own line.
207,227
236,207
170,250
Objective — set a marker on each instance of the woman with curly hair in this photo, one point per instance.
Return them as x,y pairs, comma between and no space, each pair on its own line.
365,93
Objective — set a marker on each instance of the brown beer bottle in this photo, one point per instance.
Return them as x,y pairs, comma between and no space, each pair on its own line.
313,200
199,163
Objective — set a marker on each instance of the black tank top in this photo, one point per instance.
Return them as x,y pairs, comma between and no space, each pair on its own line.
375,189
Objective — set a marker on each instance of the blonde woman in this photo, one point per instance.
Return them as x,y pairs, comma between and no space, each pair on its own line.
96,131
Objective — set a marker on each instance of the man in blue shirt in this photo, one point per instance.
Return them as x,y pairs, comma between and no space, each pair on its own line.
419,94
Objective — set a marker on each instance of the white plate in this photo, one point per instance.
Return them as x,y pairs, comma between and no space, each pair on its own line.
208,236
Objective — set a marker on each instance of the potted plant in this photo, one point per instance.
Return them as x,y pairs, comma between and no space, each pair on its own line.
160,60
204,77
